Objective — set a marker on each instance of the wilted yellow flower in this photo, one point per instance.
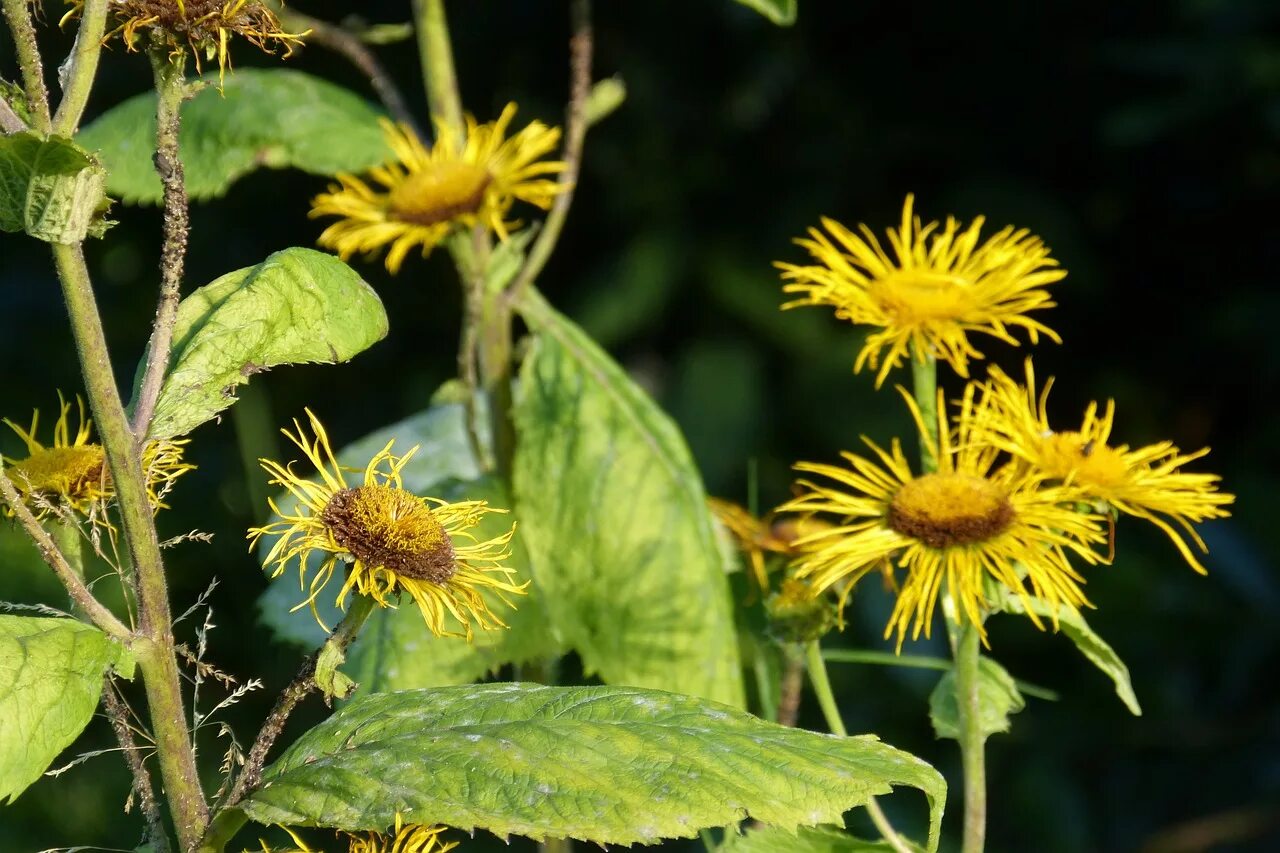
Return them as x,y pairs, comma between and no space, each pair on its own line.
968,521
755,537
390,540
414,838
1146,482
939,286
72,472
202,26
465,178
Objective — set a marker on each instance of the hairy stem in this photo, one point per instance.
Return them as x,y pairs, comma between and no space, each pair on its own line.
171,91
924,386
827,701
972,740
436,54
351,48
154,647
84,67
83,599
580,50
118,714
17,13
792,685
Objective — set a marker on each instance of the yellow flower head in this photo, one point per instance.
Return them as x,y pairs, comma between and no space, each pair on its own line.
414,838
467,178
72,472
1146,482
939,285
390,540
965,523
202,26
755,537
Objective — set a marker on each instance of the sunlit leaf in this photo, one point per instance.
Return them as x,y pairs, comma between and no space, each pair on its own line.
297,306
611,765
615,521
50,680
998,697
262,117
49,188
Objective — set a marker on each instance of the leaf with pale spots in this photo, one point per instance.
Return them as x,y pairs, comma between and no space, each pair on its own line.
614,517
998,697
395,651
262,117
298,305
1093,647
50,680
605,764
809,839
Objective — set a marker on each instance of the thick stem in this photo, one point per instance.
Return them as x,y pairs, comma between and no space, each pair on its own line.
436,55
792,685
18,15
171,90
972,740
84,67
83,599
155,647
118,714
351,48
580,49
827,701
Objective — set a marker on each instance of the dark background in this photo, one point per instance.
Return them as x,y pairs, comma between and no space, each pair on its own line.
1142,141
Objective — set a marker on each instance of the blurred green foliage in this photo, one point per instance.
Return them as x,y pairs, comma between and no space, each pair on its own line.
1140,140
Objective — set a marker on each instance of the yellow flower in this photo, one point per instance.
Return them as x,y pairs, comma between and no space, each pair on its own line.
1146,482
390,540
755,537
202,26
72,472
965,523
415,838
467,178
939,286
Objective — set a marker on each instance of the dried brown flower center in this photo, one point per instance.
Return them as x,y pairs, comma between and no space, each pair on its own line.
943,510
390,528
440,193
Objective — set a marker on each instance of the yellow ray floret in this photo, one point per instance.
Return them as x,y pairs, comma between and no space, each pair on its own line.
938,286
468,177
389,540
950,530
412,838
1145,482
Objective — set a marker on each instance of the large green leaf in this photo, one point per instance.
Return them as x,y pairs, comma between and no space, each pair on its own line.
261,117
610,765
50,681
615,521
299,305
781,12
395,651
1099,653
49,188
810,839
998,697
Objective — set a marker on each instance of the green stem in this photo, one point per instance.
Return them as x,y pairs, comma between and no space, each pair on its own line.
155,645
436,55
924,380
84,67
787,708
18,15
923,662
827,701
972,740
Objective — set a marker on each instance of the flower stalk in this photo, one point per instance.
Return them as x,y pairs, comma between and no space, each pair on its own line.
83,67
17,14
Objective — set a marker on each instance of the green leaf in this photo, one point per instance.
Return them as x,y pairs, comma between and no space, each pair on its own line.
781,12
50,680
261,117
395,651
299,305
49,188
810,839
615,520
605,764
998,698
1093,647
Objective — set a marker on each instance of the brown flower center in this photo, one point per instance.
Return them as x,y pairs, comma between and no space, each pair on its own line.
943,510
390,528
439,193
